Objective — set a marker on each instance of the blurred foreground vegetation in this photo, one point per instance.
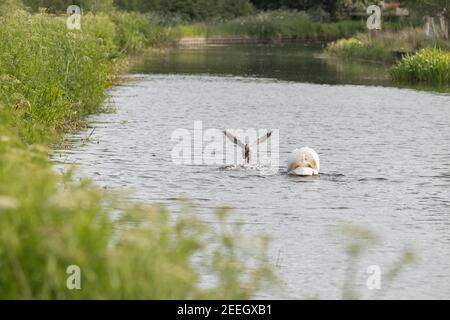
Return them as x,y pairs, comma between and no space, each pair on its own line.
209,10
51,79
357,242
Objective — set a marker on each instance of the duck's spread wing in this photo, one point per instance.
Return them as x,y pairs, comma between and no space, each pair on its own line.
233,139
263,138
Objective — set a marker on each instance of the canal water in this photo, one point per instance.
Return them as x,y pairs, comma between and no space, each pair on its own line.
385,160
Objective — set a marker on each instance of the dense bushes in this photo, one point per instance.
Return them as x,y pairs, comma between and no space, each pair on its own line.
355,48
273,24
48,222
50,80
60,6
54,77
136,31
428,65
191,9
385,44
187,10
329,6
428,59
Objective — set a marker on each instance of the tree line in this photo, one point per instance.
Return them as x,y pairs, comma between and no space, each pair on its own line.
194,9
224,9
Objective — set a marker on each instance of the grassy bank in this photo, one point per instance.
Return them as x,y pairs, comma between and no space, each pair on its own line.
384,46
355,48
271,25
51,79
421,59
430,66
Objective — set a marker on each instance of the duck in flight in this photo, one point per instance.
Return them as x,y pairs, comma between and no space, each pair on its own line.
246,147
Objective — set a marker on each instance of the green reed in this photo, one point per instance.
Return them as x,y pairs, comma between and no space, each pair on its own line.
381,47
51,79
430,65
273,25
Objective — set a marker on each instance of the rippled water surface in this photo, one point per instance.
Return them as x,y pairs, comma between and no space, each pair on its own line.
385,157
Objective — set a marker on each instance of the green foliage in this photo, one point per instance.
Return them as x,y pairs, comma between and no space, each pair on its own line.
382,47
355,48
136,31
191,9
329,6
50,79
60,6
186,10
272,24
10,5
431,7
49,222
428,65
54,77
358,240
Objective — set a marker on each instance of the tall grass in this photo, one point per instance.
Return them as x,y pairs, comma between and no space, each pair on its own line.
430,65
136,31
50,80
49,222
383,46
272,24
355,48
54,77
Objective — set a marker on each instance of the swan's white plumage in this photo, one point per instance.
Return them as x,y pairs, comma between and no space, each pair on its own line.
304,171
304,162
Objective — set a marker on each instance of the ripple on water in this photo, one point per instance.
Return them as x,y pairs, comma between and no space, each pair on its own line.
370,163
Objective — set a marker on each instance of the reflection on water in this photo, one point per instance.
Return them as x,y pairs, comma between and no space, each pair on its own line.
384,154
302,63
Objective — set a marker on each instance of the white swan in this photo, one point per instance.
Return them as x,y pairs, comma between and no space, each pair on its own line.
246,148
304,162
